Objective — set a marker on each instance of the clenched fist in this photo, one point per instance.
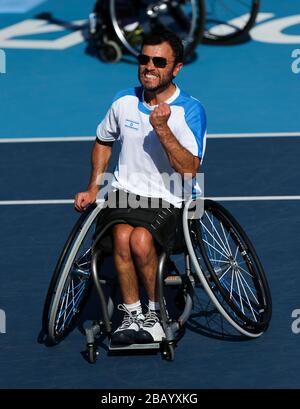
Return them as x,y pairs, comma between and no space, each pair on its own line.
160,115
84,199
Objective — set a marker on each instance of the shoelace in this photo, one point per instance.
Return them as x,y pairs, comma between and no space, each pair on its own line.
150,319
129,317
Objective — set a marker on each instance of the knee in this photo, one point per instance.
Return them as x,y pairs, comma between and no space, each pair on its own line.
141,243
121,233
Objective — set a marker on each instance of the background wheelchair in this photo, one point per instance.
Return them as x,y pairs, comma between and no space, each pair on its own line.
212,255
116,26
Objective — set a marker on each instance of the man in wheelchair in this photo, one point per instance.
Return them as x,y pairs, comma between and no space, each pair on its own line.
162,133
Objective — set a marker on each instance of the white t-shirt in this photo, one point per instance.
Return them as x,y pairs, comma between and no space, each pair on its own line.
143,167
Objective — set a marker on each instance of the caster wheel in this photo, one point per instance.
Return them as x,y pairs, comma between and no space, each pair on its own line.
92,353
168,351
110,52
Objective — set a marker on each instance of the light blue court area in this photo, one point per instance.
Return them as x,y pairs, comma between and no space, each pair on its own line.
18,6
2,62
58,89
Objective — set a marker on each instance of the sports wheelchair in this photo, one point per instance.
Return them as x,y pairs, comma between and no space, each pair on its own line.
212,255
117,26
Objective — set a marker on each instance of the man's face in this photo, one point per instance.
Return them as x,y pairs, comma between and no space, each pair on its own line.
155,79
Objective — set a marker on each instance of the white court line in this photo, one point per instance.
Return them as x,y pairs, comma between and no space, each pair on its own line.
253,198
50,139
35,202
209,136
220,199
253,135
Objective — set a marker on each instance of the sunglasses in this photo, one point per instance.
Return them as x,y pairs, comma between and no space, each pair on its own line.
158,62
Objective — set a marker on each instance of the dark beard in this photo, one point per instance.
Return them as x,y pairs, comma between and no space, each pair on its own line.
161,87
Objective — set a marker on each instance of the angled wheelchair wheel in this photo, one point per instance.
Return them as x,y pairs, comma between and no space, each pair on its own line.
71,281
110,52
229,269
131,20
229,21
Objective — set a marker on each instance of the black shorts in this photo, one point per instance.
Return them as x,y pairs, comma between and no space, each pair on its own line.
159,217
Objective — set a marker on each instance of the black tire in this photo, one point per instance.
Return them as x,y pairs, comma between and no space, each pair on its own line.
224,24
92,353
131,21
168,351
71,278
230,270
110,52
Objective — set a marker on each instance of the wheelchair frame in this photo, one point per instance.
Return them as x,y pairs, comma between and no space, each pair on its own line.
108,26
211,21
243,300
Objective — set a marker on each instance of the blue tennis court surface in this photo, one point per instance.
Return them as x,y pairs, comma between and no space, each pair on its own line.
53,89
18,6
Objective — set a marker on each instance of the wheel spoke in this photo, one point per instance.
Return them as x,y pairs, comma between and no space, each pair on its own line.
234,299
243,278
80,287
245,271
231,285
67,300
73,295
222,254
81,272
86,263
71,311
223,275
86,255
226,238
209,249
245,292
239,291
216,231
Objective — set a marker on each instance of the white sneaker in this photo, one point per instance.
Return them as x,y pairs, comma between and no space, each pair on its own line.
151,329
126,333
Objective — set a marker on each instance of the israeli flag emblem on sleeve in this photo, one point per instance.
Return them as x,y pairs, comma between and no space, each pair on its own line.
131,124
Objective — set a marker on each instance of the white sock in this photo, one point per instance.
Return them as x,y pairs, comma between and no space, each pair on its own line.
153,305
134,307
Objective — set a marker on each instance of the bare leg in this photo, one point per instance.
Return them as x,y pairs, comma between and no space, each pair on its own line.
146,261
124,263
145,258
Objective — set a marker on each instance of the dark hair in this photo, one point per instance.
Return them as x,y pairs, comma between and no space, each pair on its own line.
161,36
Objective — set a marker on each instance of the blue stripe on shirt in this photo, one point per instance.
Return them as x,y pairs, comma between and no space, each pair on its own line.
195,117
135,92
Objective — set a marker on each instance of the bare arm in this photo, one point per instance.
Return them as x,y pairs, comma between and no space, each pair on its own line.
183,161
100,158
101,154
